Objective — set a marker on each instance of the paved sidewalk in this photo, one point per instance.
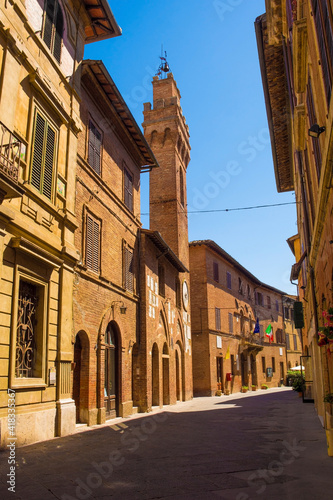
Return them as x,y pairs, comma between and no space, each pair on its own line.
265,444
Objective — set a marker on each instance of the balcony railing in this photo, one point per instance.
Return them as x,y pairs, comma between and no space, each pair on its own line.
10,153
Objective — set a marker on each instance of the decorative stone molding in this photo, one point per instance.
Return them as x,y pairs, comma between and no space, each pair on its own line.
300,36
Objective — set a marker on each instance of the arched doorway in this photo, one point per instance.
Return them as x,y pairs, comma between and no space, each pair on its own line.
81,376
155,377
165,374
111,371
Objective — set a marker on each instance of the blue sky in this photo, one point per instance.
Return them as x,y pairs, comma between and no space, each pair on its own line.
212,53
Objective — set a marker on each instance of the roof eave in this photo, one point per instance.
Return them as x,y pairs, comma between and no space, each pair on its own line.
111,29
148,160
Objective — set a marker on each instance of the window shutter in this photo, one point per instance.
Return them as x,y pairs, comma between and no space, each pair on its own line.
229,280
49,162
37,156
96,235
94,148
48,22
128,271
217,318
92,244
128,190
216,271
89,242
231,325
59,26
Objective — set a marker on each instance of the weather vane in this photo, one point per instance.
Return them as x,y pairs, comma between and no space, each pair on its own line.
164,67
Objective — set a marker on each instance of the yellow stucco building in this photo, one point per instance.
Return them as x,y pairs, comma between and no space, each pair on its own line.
295,43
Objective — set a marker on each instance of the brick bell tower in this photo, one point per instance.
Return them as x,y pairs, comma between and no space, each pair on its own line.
166,132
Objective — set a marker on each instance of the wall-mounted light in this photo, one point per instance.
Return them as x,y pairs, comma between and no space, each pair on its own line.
316,130
122,306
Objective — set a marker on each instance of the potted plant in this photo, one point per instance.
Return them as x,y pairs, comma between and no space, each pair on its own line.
226,392
264,386
218,393
298,384
254,387
244,388
325,334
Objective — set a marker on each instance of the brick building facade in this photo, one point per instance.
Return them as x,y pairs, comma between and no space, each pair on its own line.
226,302
111,154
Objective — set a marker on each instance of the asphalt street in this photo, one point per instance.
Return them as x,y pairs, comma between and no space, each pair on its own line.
263,444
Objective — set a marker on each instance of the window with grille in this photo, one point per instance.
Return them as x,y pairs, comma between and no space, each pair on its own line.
231,323
128,189
128,268
43,156
216,272
217,318
53,27
28,363
228,280
93,236
94,148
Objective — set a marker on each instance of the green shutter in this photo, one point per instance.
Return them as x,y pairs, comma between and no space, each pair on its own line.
37,155
43,156
49,162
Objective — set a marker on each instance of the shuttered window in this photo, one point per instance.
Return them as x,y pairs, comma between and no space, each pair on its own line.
231,323
312,121
322,13
228,280
128,189
43,156
93,232
53,27
217,318
128,269
216,271
94,148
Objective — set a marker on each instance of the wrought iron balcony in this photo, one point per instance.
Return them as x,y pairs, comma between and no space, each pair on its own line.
11,150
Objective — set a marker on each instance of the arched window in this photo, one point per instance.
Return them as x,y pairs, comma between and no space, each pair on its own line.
53,27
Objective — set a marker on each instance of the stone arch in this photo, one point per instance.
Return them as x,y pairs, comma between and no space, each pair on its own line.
167,136
81,376
153,138
179,142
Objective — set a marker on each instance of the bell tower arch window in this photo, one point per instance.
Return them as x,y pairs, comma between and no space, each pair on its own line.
53,27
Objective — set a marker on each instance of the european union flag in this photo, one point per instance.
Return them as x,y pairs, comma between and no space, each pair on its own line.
257,327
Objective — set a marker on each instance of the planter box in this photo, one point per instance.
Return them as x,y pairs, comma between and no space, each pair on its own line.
254,388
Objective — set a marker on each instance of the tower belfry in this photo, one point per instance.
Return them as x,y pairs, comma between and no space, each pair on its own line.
166,131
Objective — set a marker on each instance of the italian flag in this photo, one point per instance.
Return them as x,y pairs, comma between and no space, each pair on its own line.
269,333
